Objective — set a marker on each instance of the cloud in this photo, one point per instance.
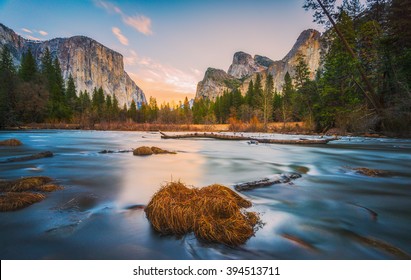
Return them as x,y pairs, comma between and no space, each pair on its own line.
43,33
27,30
32,38
163,76
117,32
141,23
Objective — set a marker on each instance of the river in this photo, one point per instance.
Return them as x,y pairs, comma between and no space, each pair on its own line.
326,214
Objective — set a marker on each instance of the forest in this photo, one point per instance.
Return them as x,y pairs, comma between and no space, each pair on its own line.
363,84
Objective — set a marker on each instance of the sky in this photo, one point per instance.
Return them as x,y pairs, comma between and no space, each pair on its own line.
167,45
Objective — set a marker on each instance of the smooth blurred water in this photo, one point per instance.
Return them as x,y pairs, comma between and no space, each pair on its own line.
323,212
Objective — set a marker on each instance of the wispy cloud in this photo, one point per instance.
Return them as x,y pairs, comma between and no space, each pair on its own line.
117,32
34,31
141,23
27,30
163,76
32,38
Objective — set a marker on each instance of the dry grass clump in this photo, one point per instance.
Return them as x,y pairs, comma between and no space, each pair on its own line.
214,213
371,172
20,193
143,151
157,150
11,142
11,201
24,184
146,151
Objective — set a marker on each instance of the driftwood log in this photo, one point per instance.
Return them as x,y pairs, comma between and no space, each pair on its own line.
45,154
275,179
244,138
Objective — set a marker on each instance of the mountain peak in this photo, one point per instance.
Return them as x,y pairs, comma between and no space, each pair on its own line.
90,63
243,65
306,37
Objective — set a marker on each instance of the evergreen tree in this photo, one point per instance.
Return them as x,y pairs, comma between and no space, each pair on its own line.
28,67
286,106
71,94
7,89
267,99
132,111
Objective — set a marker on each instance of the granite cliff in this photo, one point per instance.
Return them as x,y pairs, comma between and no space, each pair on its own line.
245,68
90,63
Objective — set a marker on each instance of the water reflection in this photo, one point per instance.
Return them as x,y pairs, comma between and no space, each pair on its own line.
329,213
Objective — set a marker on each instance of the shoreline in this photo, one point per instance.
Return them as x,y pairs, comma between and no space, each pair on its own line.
291,128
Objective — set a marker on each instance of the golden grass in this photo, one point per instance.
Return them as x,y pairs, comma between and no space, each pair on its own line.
143,151
24,184
20,193
48,188
146,151
157,150
214,213
11,201
11,142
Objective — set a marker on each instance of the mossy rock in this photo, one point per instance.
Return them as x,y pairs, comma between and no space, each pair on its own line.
214,213
11,142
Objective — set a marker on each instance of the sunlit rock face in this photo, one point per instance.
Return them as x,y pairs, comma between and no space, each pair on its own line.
91,64
246,68
215,82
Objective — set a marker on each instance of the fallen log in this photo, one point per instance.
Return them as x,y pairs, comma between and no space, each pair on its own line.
31,157
272,180
244,138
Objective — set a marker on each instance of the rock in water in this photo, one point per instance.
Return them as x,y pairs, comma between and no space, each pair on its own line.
11,142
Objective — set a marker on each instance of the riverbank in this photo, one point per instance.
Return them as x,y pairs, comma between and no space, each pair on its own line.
273,127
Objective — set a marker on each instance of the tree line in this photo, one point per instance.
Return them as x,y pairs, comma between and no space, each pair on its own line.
32,94
363,83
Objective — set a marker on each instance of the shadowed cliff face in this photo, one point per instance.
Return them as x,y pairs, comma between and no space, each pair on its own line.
90,63
245,68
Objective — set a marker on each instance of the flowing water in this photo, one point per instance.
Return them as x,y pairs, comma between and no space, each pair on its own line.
330,213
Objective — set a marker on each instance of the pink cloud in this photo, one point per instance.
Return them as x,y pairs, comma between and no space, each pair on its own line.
122,39
141,23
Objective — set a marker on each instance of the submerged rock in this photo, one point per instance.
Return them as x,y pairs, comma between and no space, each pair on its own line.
11,142
114,152
265,182
214,213
45,154
371,172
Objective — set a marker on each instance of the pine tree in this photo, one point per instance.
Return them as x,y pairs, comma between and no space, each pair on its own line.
28,67
267,98
7,89
302,73
71,94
